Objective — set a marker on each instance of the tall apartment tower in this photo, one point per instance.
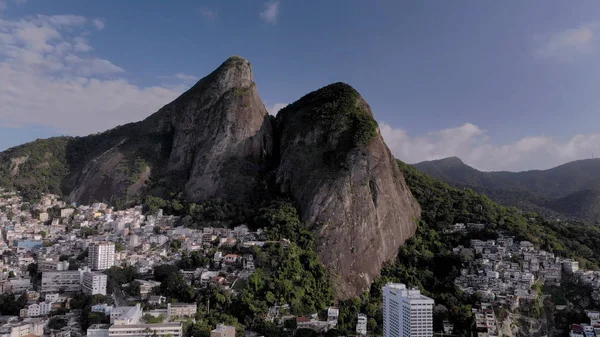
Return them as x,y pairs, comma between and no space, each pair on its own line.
406,312
101,255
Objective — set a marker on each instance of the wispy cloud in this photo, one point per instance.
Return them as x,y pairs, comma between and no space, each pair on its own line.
98,23
49,76
570,42
270,12
274,109
208,14
470,143
186,77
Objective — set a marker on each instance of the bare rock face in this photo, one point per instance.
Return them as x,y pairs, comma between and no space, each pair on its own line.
222,135
211,142
336,166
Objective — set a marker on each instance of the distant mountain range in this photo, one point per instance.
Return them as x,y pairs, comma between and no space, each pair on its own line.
570,190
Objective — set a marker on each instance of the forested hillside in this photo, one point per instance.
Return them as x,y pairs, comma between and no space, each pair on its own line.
565,191
427,261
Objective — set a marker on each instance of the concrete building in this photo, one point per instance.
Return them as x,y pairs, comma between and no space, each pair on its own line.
44,216
15,285
94,283
30,326
361,325
126,315
181,309
61,281
101,255
147,330
134,240
223,331
50,265
406,312
37,309
66,212
98,330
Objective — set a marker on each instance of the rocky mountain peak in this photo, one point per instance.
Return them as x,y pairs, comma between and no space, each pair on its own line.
216,141
347,185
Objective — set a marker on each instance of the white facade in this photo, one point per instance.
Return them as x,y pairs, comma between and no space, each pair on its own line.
53,265
361,325
94,283
406,312
182,309
101,255
38,309
126,315
146,330
57,281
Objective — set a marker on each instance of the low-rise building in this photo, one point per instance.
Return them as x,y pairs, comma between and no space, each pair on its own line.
126,315
94,283
181,309
147,330
223,331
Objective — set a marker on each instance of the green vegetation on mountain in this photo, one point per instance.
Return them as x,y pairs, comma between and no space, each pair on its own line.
584,204
563,190
427,261
339,107
288,271
36,167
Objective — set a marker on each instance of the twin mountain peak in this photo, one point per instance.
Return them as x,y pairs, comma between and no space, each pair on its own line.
217,140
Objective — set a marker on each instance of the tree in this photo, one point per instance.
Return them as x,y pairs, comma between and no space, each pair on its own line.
163,271
149,319
11,274
175,245
43,234
57,323
119,247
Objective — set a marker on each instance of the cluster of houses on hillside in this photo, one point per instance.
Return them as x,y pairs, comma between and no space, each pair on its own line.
51,251
504,270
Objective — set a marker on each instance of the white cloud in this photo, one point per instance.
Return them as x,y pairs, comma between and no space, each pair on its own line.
50,77
570,42
470,143
273,110
186,77
98,23
270,12
82,45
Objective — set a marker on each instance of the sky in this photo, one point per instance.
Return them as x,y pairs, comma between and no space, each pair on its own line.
504,85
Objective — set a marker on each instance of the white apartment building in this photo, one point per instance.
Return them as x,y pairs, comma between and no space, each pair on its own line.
37,309
61,281
101,255
146,330
94,283
361,325
406,312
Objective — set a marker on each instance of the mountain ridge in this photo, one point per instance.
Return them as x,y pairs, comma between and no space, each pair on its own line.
216,141
537,190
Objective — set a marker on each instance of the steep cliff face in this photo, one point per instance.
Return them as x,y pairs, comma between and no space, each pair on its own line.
211,142
221,134
216,141
336,166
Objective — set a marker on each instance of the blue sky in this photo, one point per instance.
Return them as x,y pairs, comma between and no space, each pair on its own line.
501,84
